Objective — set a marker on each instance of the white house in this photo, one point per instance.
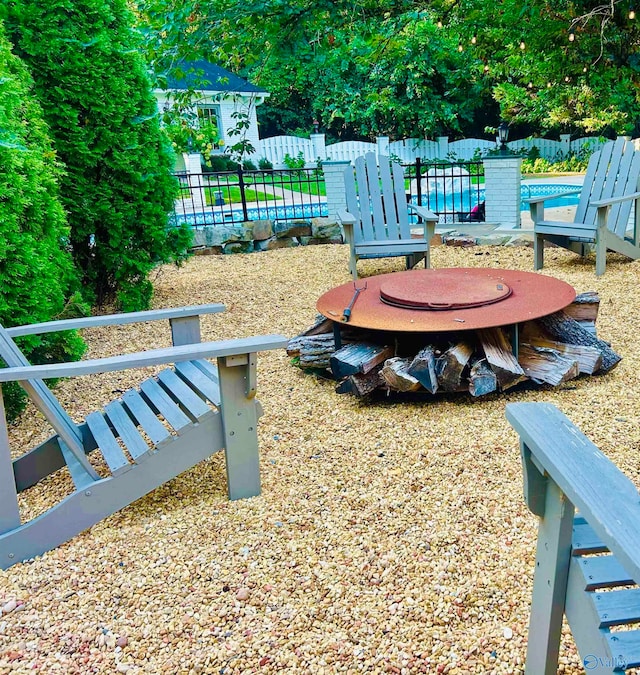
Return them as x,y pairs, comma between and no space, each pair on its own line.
218,94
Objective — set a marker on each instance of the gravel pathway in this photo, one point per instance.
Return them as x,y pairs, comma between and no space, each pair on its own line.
389,537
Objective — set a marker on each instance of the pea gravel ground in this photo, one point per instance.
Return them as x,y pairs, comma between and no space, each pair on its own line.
389,536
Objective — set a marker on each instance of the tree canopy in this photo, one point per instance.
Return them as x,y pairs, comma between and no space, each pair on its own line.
414,68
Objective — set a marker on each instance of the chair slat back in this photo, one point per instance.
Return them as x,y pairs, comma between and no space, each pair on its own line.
388,227
41,395
401,201
365,230
375,195
353,203
613,171
592,185
627,183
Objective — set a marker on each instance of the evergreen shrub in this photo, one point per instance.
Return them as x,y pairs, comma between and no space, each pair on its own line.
37,276
118,187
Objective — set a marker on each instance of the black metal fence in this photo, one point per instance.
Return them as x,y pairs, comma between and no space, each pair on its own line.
451,190
236,196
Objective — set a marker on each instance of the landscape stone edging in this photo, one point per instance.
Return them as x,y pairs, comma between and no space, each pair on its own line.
265,235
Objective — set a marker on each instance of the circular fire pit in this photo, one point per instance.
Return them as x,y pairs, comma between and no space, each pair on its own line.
451,330
440,300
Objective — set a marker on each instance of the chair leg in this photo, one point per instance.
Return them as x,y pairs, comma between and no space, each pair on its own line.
601,253
549,584
239,419
9,511
353,261
431,233
538,251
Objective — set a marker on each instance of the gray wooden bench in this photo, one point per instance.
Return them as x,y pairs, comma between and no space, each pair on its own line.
147,436
588,552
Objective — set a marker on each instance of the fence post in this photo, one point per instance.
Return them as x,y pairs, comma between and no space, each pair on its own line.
334,185
502,181
319,147
383,146
243,196
193,165
565,144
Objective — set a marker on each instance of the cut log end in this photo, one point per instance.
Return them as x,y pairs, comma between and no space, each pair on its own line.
395,374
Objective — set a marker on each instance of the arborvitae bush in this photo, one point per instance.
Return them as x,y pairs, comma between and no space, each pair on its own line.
96,96
36,271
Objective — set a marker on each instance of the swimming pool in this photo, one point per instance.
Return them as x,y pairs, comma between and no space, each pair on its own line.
542,189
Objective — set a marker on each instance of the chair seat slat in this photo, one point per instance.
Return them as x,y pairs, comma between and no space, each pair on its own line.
616,608
126,429
183,394
107,443
585,540
145,417
202,383
208,369
163,403
626,645
603,571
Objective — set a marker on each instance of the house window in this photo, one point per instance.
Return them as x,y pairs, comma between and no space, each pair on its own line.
210,114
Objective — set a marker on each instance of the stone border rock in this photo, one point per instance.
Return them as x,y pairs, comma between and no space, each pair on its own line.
265,235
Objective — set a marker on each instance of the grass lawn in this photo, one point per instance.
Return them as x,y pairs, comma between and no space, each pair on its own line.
306,188
231,195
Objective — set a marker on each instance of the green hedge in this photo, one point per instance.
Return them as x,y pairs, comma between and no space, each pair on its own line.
117,188
37,276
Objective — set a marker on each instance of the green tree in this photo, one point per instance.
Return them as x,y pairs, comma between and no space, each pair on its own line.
36,271
360,69
367,67
117,188
570,67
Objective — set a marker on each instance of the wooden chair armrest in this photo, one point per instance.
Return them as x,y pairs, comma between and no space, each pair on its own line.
152,357
345,217
614,200
114,319
603,495
423,213
544,198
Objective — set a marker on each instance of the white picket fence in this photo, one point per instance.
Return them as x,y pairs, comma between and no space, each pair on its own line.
314,149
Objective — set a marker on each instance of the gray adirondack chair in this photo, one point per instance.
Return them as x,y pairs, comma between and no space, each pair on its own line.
376,220
608,202
588,554
147,436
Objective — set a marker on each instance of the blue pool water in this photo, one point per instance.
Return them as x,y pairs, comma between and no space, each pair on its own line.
542,189
465,200
444,205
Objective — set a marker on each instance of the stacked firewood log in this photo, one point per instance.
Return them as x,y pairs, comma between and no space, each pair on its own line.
550,350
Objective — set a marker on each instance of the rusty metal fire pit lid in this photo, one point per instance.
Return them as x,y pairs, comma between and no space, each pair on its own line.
532,295
444,290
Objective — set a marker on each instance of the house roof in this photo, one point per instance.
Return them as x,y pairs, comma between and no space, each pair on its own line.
210,77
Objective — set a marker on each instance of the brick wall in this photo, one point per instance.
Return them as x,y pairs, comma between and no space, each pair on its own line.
503,178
